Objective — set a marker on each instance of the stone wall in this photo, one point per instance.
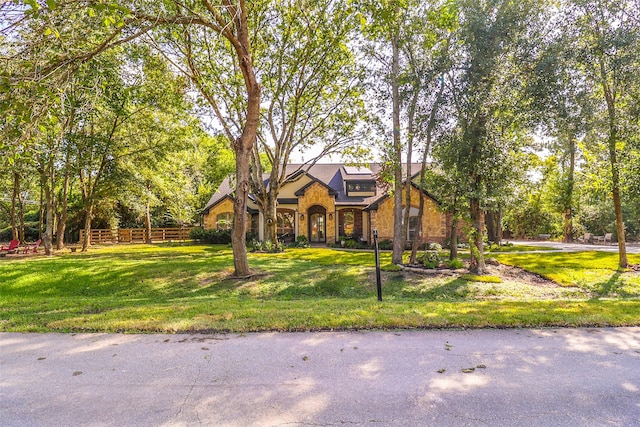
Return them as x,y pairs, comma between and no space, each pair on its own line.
434,222
223,207
317,194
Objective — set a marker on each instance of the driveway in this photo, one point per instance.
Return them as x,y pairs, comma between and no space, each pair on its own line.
519,377
632,248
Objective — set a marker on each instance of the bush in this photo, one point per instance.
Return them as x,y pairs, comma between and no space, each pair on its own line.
266,246
455,263
430,259
435,246
222,237
385,244
301,242
31,233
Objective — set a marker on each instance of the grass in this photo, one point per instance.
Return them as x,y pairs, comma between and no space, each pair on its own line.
159,288
594,272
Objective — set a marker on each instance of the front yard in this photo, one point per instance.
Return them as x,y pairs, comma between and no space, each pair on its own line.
161,288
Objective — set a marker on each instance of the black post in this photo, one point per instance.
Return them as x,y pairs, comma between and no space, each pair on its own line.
377,252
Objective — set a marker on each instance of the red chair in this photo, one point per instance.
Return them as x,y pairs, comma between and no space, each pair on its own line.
32,248
12,248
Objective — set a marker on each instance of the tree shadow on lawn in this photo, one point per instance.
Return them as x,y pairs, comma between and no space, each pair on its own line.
549,262
614,288
431,289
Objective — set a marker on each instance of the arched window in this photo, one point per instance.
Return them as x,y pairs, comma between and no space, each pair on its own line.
224,221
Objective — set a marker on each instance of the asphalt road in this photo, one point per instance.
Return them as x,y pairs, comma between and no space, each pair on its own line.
542,377
632,248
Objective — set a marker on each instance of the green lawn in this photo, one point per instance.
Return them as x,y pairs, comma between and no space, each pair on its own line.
155,288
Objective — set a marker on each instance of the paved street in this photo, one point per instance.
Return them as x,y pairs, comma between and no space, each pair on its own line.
632,248
542,377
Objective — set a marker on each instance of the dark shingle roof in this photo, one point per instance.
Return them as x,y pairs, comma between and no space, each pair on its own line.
331,175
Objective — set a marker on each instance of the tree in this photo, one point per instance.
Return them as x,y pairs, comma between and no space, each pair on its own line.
609,49
119,24
484,86
311,91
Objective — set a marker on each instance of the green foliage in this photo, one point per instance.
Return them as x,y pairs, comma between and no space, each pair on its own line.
210,236
385,244
430,259
455,263
266,246
301,242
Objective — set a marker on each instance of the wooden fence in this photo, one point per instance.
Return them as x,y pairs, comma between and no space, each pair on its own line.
136,235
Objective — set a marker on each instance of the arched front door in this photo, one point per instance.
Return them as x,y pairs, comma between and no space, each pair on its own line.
317,224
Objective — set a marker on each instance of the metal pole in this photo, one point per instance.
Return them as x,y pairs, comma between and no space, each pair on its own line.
377,252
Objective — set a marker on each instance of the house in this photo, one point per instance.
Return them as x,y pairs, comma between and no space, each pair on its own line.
330,202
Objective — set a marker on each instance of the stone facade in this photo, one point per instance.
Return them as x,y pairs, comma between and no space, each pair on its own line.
317,195
210,218
434,222
338,194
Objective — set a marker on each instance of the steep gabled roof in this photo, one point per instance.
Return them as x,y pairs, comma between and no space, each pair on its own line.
330,175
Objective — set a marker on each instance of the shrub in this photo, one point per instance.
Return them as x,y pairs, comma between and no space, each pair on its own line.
435,246
197,234
455,263
222,237
266,246
385,244
31,233
301,242
430,259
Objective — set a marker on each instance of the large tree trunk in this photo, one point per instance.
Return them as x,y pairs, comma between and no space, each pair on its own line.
499,226
453,237
622,248
243,145
21,232
62,217
147,223
41,209
270,217
490,221
399,235
477,251
47,238
615,176
568,208
86,241
14,198
239,230
609,96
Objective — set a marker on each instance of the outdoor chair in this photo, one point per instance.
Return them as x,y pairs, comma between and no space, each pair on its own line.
12,248
587,238
607,236
32,248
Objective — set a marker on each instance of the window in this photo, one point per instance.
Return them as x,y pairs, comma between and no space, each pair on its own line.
360,187
224,221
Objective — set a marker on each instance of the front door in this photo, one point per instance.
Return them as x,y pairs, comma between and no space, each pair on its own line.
317,227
